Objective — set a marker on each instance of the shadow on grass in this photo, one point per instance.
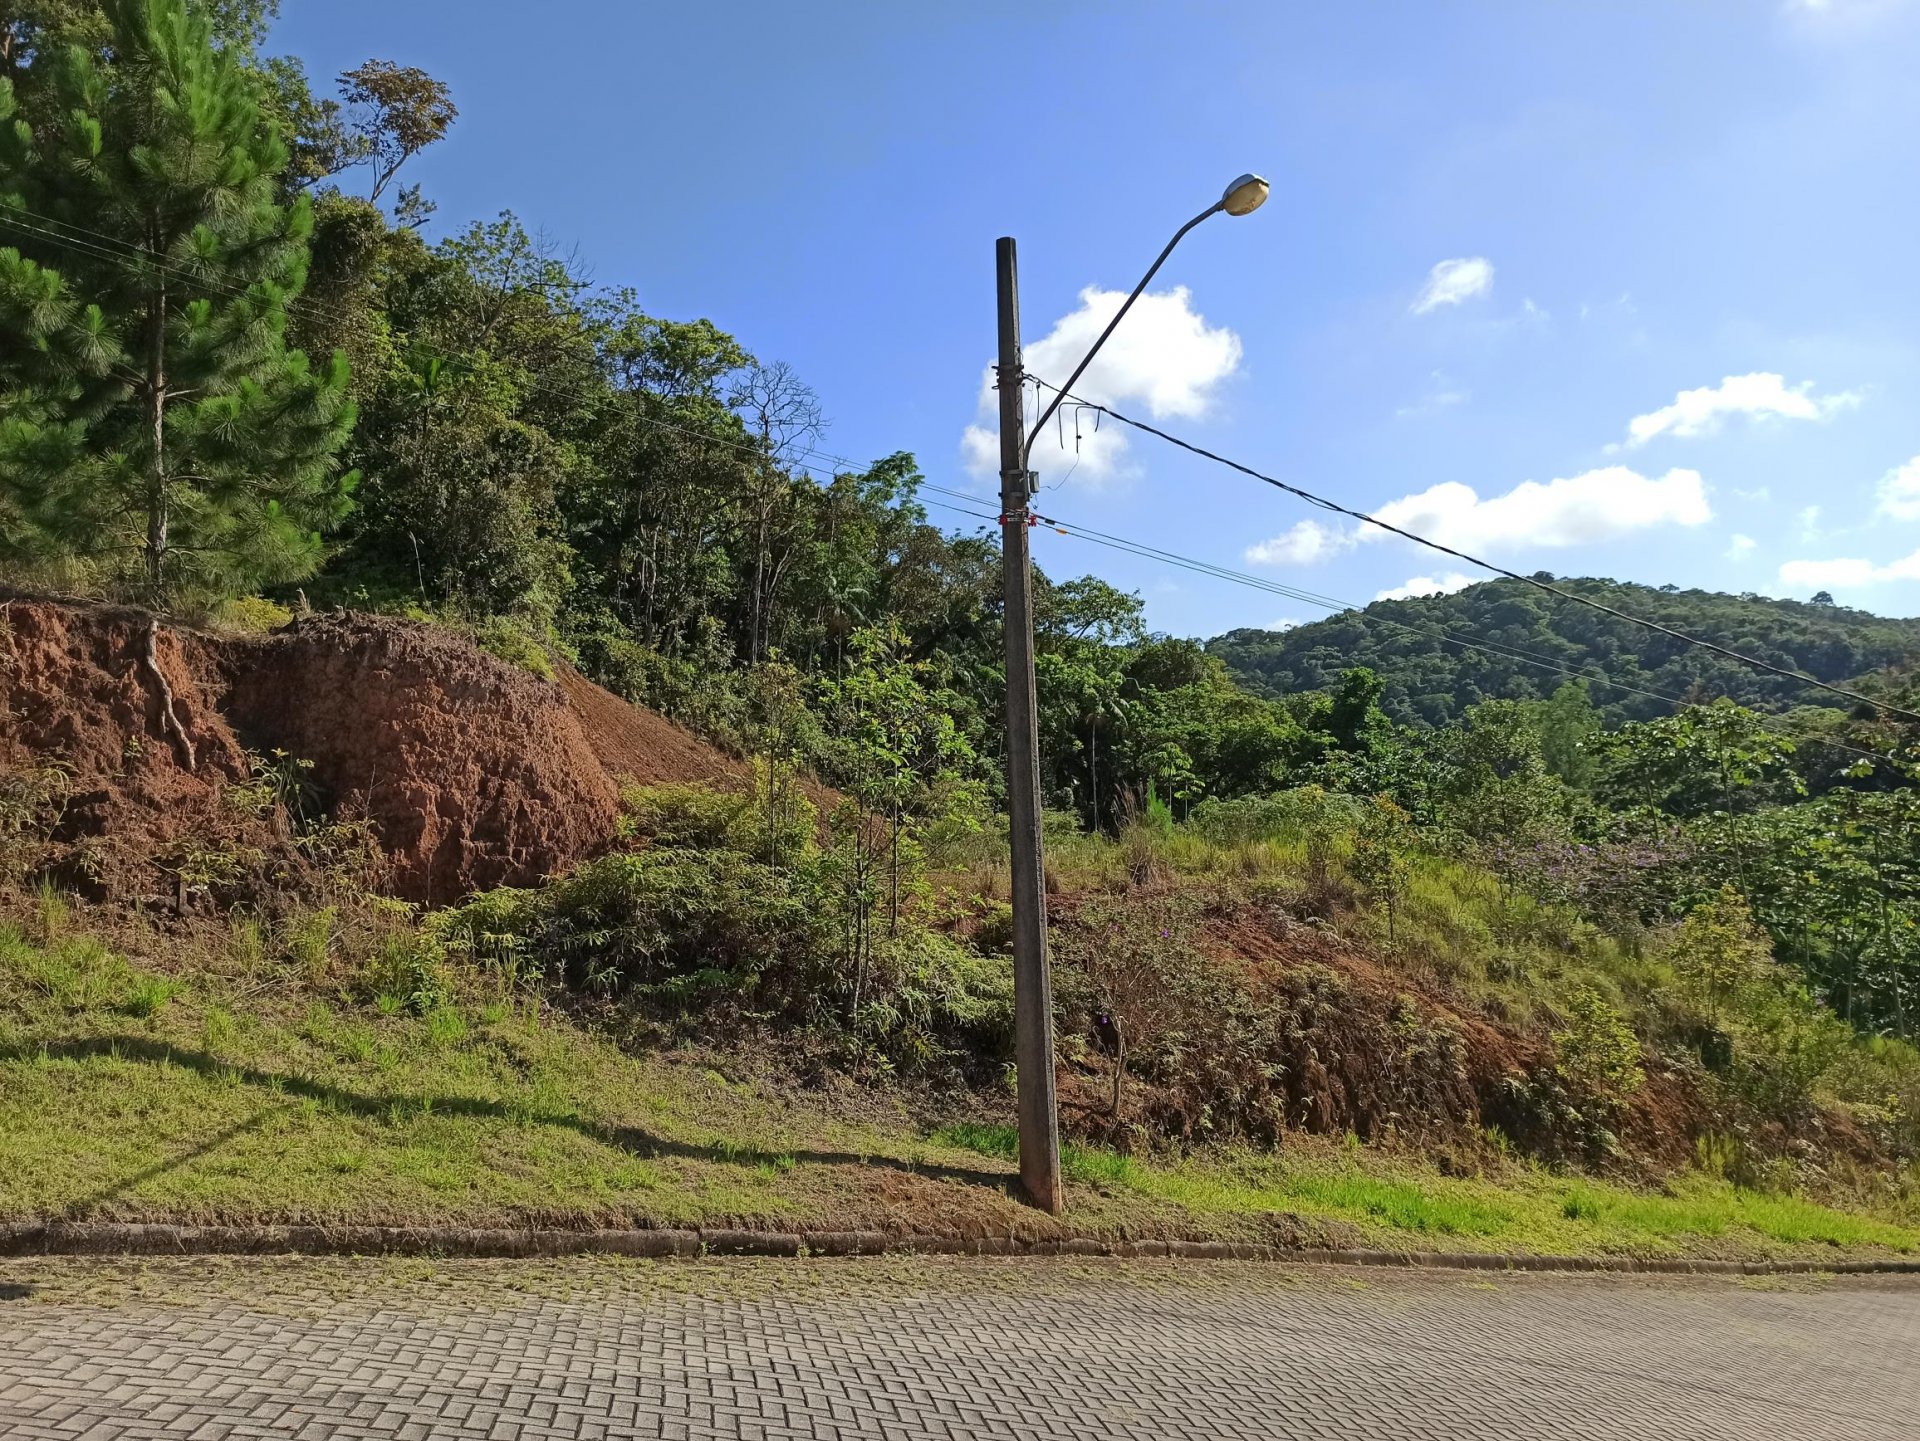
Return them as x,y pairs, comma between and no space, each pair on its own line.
631,1139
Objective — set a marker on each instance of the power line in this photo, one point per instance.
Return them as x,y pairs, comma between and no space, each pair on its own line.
132,257
1206,568
1323,503
1496,649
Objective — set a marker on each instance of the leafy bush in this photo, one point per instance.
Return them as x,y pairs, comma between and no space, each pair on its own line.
769,822
675,925
407,969
935,997
513,642
1596,1049
251,615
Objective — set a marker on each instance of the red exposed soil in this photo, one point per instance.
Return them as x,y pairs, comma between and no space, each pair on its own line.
472,772
639,745
75,695
476,774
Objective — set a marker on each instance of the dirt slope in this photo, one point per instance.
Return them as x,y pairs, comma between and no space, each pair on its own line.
473,773
78,702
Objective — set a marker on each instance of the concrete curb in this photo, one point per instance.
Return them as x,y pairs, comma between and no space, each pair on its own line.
108,1238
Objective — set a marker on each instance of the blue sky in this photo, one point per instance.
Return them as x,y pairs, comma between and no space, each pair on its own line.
1628,289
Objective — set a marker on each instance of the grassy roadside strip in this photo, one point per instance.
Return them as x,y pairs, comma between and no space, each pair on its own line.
126,1096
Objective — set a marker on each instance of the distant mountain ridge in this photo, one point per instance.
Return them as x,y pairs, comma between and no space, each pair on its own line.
1433,679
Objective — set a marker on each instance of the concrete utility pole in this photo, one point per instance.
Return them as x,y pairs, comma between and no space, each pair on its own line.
1032,981
1032,977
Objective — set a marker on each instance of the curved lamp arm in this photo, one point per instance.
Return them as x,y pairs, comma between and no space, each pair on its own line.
1026,450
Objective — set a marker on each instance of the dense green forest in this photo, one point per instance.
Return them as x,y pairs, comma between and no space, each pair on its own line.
238,378
1441,655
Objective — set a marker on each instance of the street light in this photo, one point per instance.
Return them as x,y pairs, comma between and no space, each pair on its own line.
1246,194
1032,983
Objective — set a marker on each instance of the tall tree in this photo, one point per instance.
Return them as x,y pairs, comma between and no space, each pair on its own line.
155,424
785,417
395,111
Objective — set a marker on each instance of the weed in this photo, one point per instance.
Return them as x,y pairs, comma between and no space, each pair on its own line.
251,615
51,913
305,941
218,1029
409,969
145,995
512,642
246,946
1405,1205
983,1137
446,1027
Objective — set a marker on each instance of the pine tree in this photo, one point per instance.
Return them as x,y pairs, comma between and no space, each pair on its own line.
154,425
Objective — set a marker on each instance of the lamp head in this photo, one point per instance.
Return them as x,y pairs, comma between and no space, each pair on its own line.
1244,196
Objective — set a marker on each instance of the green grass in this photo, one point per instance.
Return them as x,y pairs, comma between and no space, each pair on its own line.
1455,925
248,1096
1395,1201
1088,1165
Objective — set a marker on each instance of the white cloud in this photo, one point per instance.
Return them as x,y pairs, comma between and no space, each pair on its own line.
1846,572
1285,622
1453,281
1741,546
1900,491
1621,304
1760,495
1597,505
1809,522
1428,585
1441,394
1305,543
1760,396
1850,14
1164,356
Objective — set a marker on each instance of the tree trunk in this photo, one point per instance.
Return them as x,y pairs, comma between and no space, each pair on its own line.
155,554
893,874
1093,773
762,519
1119,1066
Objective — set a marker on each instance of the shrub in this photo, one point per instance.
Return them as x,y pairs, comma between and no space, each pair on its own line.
251,614
513,642
675,924
1718,951
491,928
407,967
936,997
1151,990
1785,1042
1596,1049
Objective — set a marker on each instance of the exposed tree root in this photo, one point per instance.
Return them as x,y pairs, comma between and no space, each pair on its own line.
169,717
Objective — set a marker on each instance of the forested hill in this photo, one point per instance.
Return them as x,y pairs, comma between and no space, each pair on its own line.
1433,679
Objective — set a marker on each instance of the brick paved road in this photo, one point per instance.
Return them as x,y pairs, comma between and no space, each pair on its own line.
941,1349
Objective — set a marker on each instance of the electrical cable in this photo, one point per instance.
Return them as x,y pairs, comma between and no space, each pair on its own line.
131,256
1323,503
1492,648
